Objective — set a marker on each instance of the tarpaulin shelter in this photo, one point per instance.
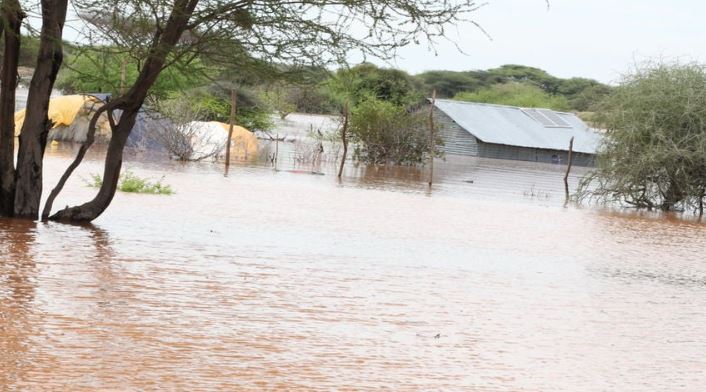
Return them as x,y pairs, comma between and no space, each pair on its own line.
211,136
71,115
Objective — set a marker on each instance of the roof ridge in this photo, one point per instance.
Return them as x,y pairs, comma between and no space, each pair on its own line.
497,105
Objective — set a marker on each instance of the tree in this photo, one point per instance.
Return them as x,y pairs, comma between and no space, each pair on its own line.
278,98
294,32
364,80
102,70
589,97
12,16
516,94
384,132
524,74
449,83
21,187
654,150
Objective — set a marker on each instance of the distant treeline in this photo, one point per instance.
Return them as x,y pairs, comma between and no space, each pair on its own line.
265,87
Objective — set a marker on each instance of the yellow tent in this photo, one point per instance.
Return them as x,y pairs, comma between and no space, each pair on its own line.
243,142
70,115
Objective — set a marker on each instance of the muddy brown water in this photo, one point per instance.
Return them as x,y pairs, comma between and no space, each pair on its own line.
268,280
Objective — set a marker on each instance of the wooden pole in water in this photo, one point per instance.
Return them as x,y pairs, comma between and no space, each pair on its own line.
344,139
276,149
568,168
233,103
432,147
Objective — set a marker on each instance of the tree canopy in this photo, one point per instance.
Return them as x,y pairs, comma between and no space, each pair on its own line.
516,94
654,150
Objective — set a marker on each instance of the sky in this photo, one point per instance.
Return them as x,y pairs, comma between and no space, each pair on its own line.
599,39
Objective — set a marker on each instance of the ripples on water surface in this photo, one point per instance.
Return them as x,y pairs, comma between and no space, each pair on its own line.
266,281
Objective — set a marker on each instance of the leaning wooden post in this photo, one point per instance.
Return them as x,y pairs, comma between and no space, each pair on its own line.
276,149
233,102
568,168
432,146
344,139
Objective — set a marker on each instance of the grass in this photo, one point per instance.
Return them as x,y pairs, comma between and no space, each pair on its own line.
131,183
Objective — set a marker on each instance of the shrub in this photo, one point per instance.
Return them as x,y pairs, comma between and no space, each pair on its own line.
516,94
132,183
654,150
387,133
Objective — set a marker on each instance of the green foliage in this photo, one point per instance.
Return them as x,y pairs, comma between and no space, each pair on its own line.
100,69
387,133
524,74
449,83
654,150
213,104
277,97
517,94
362,81
588,98
129,182
581,93
29,48
252,113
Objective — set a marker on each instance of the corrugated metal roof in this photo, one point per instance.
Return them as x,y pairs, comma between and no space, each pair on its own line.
510,125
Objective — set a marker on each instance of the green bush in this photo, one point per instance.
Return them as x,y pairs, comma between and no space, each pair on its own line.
129,182
654,149
205,105
386,133
517,94
367,80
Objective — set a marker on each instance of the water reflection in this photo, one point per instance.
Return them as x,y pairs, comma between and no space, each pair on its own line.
17,293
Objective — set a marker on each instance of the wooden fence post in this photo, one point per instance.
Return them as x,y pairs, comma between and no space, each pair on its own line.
568,168
344,138
233,103
432,141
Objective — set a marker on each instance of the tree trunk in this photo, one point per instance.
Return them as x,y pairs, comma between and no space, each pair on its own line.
33,136
12,16
90,138
233,103
111,174
568,170
131,103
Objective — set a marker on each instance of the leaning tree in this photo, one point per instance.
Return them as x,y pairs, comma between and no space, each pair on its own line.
307,32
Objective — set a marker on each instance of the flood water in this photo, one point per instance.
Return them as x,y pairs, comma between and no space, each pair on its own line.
281,280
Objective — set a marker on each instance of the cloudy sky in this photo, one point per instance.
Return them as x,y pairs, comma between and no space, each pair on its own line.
599,39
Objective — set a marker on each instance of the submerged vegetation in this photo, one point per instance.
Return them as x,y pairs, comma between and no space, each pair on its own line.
130,182
654,150
385,133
